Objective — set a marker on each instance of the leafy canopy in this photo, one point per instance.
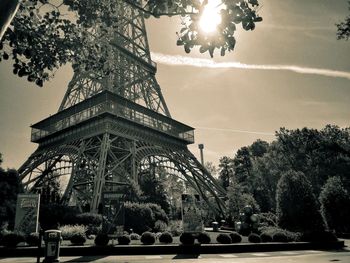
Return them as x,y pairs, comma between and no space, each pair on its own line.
46,34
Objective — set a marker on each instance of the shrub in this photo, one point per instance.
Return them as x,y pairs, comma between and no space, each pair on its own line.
254,238
133,213
160,226
32,239
235,237
158,213
175,228
266,237
166,237
148,238
279,237
204,238
291,236
224,239
187,239
12,239
319,237
101,240
267,219
124,240
68,231
296,204
88,219
78,239
134,236
334,199
52,215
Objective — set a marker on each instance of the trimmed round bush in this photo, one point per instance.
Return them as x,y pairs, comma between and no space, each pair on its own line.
254,238
101,240
135,236
12,239
224,239
266,237
187,239
78,239
280,237
32,239
204,238
166,237
124,240
235,237
88,219
148,238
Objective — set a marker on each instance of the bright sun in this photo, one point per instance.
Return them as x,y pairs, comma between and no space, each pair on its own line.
211,18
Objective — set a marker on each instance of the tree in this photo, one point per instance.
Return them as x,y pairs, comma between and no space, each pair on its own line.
46,34
153,190
297,209
335,203
343,31
10,187
237,200
225,171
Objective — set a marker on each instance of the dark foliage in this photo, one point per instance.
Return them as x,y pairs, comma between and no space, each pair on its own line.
153,191
166,237
335,203
279,237
150,214
187,239
344,28
266,237
10,186
319,237
224,239
32,239
254,238
78,239
12,239
204,238
148,238
124,240
235,237
88,219
101,240
53,215
296,204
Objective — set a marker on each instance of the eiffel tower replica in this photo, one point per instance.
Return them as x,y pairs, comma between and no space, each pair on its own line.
111,128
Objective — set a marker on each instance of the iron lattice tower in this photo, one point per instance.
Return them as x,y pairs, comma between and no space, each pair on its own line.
111,127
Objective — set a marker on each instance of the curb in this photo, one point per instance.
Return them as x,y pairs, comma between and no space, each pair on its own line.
171,249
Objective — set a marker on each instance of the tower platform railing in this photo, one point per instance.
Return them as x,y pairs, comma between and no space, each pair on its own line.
108,102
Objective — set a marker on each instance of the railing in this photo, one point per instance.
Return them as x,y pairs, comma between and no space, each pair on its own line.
118,107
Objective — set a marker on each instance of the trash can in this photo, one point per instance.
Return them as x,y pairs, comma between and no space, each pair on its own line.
215,226
52,240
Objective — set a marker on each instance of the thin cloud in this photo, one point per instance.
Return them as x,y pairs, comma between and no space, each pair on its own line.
234,130
207,63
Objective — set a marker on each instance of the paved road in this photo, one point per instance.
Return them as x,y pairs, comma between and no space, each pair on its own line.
305,256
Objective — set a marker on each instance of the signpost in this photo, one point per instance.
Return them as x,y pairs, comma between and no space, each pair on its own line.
27,213
113,213
191,213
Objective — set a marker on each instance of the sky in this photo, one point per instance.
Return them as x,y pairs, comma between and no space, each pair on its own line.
291,72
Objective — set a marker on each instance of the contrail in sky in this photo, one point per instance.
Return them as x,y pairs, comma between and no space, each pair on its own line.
234,130
207,63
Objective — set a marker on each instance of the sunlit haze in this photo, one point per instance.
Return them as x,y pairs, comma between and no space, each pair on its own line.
211,16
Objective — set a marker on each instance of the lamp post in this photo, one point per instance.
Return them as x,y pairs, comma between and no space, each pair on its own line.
201,147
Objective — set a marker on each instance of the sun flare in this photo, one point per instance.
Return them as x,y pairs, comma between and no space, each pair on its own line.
211,18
